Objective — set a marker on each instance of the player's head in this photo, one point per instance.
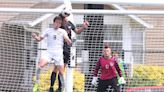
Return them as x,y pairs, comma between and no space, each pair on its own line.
106,51
116,54
66,12
57,21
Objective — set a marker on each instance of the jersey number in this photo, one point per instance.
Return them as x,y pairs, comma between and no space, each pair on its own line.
54,37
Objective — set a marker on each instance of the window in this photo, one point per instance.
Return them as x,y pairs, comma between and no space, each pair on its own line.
137,46
113,36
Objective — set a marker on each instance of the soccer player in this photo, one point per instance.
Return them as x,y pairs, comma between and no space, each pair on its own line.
68,26
55,37
108,74
123,68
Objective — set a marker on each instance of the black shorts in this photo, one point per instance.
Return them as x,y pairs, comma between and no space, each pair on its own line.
104,84
66,57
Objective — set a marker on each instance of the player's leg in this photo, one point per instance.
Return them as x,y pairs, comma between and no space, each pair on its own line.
45,58
114,84
66,60
41,64
61,78
102,85
53,78
60,65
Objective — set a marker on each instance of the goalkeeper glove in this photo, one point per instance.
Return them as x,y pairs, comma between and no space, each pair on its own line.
122,80
94,81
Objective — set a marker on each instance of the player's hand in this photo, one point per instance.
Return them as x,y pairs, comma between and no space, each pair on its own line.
94,81
34,35
85,24
72,42
122,80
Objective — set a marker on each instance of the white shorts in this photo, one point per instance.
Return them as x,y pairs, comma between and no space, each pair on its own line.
56,58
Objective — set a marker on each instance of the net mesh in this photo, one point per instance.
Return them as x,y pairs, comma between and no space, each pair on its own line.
141,49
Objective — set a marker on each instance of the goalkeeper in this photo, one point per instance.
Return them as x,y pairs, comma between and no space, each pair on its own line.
108,77
68,26
55,37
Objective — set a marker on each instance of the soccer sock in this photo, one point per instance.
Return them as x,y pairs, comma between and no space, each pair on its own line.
59,82
53,78
38,74
62,80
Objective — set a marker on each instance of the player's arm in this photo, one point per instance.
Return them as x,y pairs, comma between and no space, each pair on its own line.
80,29
67,39
96,69
42,36
118,68
95,73
36,37
122,80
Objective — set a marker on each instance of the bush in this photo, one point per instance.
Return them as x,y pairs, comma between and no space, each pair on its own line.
146,75
143,75
44,85
78,82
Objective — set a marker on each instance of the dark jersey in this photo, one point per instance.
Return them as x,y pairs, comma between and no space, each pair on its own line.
68,26
109,68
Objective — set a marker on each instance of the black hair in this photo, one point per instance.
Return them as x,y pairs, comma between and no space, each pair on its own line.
61,15
106,46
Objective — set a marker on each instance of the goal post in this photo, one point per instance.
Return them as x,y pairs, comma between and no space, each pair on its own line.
138,38
70,67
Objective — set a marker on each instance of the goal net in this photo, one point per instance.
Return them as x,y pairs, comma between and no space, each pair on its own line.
138,38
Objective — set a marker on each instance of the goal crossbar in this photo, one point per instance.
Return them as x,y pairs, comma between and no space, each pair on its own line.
82,11
125,2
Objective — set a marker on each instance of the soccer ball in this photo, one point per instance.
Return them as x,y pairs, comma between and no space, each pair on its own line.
66,12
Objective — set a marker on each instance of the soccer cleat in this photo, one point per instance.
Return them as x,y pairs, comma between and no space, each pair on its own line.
36,87
51,89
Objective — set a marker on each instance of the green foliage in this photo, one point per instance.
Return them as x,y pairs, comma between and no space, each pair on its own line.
146,75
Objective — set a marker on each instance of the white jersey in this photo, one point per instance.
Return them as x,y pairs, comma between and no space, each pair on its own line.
55,39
